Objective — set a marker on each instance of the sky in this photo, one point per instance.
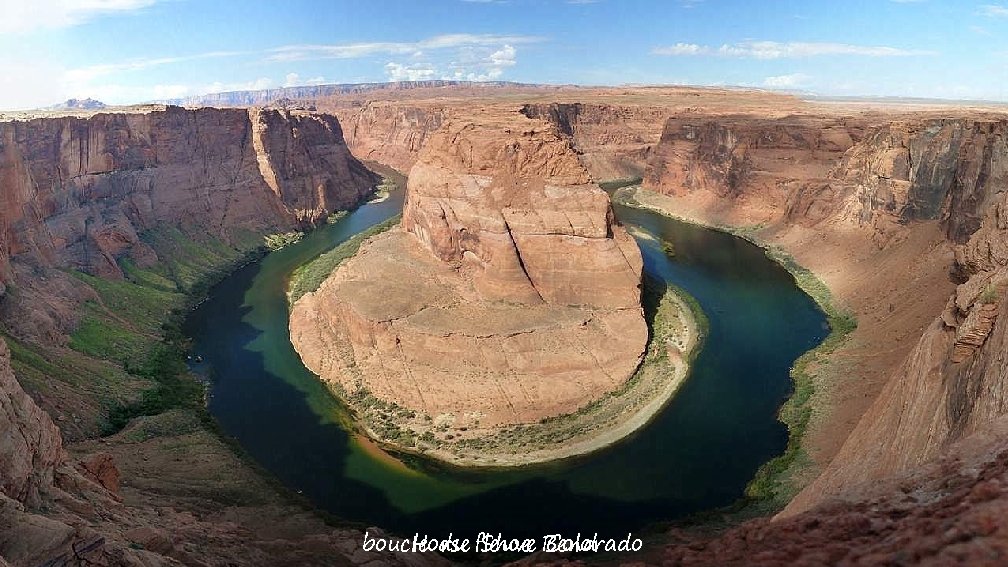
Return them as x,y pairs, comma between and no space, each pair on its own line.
129,51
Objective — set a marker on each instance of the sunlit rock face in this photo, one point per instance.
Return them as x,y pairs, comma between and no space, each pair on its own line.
508,295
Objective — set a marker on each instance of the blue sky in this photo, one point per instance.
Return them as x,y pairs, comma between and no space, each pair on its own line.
124,51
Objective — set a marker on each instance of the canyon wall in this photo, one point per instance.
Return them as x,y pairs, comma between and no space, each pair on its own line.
955,381
78,193
613,141
389,133
850,198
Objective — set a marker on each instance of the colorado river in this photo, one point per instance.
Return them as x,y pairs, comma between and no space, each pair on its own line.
698,453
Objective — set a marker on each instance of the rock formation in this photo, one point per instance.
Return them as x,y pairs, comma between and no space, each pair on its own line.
509,295
954,382
76,192
30,444
79,193
853,181
613,141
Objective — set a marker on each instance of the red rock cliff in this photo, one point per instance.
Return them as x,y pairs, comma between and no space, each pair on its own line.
76,192
859,184
955,381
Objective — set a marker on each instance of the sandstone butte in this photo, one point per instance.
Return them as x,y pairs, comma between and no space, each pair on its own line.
508,295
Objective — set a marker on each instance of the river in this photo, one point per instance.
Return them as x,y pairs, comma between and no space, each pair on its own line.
698,453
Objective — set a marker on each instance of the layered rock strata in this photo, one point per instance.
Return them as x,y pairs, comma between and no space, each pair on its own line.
82,193
851,198
508,295
78,192
955,381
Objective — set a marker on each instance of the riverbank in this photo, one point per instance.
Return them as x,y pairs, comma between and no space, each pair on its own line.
772,486
677,328
850,279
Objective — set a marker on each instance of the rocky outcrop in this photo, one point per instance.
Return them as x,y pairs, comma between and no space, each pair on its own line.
613,141
920,170
391,134
30,443
509,295
77,193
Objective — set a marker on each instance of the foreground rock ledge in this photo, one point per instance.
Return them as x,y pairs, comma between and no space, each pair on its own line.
507,298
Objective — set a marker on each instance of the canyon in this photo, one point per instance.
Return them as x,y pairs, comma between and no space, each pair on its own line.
899,209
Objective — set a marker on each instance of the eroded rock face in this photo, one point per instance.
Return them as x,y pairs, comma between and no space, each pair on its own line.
389,133
614,141
78,192
30,443
849,181
507,296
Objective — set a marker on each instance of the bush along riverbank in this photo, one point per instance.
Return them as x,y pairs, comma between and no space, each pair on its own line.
773,486
308,277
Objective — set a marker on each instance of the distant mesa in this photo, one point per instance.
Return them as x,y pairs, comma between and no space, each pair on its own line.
80,104
274,97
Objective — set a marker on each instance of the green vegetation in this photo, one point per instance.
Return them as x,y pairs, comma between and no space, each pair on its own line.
194,264
174,387
774,486
383,189
128,351
615,184
282,240
336,217
990,294
309,277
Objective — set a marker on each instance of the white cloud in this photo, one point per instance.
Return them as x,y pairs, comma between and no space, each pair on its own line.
21,17
481,64
994,11
399,72
681,49
794,80
368,49
503,57
786,50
